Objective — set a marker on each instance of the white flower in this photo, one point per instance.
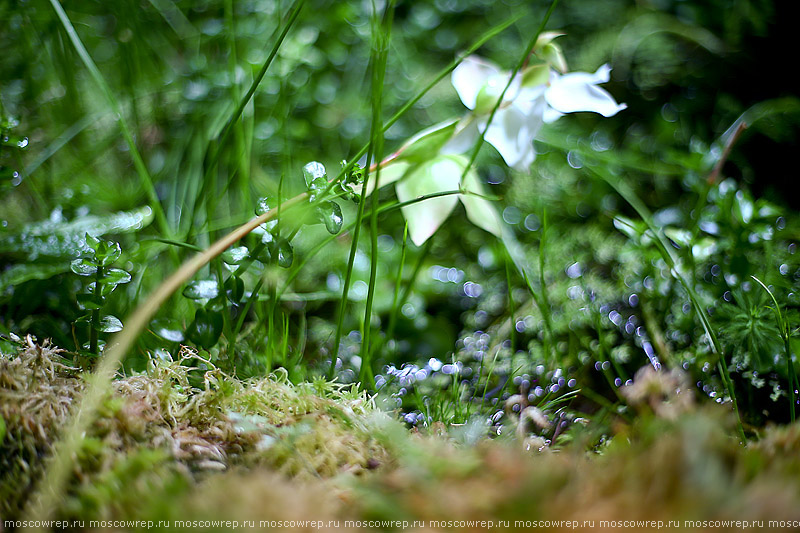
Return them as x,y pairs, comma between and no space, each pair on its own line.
442,174
536,95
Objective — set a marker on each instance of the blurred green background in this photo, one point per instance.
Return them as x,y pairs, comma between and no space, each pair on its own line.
686,69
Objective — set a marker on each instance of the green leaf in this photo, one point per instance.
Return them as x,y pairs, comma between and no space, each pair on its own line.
488,95
441,174
536,75
112,278
56,238
108,252
83,267
201,289
426,144
551,52
110,324
265,253
116,276
168,329
632,229
92,242
679,236
330,214
205,329
545,38
234,256
234,288
84,319
282,252
90,302
17,274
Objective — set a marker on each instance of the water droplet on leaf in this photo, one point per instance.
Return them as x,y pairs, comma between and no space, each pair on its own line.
83,267
110,324
201,289
331,215
283,252
234,256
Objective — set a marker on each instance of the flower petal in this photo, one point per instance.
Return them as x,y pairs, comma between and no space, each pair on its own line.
551,115
390,173
469,77
480,211
464,138
438,175
577,91
427,143
511,133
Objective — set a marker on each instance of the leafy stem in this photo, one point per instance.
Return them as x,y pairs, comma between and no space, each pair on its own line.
94,329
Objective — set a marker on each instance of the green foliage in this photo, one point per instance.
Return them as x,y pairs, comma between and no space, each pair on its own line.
223,123
105,279
264,449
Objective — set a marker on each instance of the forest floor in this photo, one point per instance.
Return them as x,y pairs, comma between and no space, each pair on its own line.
170,447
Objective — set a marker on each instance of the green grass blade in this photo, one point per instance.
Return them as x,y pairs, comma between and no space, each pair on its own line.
144,176
783,328
483,39
382,34
215,147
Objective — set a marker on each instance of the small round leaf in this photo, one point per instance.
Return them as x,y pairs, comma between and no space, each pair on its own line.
168,329
201,289
83,267
116,276
110,324
234,256
92,242
234,288
90,302
205,329
108,252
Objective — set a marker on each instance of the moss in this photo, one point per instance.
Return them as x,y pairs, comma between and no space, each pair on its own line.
162,449
37,391
157,430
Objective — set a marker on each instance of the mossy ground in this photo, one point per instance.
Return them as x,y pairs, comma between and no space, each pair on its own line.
171,445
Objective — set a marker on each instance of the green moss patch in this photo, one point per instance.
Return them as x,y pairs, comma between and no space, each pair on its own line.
173,445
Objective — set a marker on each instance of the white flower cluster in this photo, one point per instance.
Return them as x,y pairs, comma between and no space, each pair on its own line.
433,161
537,95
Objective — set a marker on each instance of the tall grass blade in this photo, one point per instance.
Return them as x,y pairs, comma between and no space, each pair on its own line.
144,175
784,329
214,148
382,34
